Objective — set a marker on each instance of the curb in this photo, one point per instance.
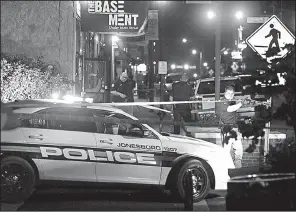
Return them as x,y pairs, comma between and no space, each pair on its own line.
11,207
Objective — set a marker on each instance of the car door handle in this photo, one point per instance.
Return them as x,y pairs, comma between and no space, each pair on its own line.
40,137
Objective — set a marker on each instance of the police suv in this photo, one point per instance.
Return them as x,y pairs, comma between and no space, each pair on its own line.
101,145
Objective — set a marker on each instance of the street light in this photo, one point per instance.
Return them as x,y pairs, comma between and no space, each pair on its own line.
115,38
184,40
195,75
205,64
211,14
173,66
186,66
194,51
239,15
225,52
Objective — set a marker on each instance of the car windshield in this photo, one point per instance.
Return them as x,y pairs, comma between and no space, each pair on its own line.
173,78
208,87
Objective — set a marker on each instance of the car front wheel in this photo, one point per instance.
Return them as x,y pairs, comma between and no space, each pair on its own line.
17,179
200,180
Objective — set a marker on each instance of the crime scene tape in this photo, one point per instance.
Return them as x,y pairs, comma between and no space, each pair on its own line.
59,103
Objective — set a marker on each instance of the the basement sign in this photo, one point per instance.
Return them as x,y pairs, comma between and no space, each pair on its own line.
113,16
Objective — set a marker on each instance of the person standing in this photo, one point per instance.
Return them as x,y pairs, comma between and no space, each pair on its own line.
181,91
122,89
231,137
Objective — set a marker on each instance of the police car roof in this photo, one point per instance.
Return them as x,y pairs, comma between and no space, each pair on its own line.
47,103
225,78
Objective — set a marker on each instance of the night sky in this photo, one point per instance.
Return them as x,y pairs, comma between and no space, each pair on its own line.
190,21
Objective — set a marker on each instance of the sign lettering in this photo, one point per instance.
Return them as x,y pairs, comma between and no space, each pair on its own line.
92,155
113,16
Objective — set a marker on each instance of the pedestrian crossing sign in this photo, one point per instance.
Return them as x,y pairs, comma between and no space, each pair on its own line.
270,39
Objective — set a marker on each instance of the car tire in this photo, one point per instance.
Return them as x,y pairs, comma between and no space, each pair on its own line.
199,173
18,179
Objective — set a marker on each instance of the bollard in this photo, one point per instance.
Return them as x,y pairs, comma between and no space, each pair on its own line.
262,192
188,200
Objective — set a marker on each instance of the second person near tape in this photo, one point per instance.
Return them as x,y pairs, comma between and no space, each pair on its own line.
232,138
122,89
181,91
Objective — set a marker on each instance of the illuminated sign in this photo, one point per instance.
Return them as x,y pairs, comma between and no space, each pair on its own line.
113,16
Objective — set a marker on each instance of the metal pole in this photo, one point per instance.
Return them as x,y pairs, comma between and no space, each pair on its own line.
153,6
150,74
200,63
83,64
188,200
112,60
108,66
161,56
218,59
281,17
75,46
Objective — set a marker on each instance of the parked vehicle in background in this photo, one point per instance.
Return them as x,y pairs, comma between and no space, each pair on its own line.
205,90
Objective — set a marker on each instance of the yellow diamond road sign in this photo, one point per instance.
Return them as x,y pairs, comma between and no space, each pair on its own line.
270,39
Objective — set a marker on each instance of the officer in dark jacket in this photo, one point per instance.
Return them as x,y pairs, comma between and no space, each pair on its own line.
181,91
122,89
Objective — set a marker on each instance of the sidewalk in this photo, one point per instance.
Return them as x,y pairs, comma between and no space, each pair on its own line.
10,207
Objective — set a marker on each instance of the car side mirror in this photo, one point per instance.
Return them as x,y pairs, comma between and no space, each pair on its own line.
136,132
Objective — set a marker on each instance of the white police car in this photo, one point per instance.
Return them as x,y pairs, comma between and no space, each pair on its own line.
101,145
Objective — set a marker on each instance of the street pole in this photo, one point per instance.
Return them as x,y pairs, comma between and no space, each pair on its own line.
113,45
83,43
150,62
218,57
200,63
161,55
150,74
76,48
109,59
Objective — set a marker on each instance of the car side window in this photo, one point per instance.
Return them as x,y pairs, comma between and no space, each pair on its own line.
74,120
41,123
119,124
207,87
63,119
115,124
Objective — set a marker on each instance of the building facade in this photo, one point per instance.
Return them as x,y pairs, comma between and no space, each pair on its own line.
52,30
40,28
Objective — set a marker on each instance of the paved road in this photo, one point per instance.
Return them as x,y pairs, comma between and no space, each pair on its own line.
104,200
